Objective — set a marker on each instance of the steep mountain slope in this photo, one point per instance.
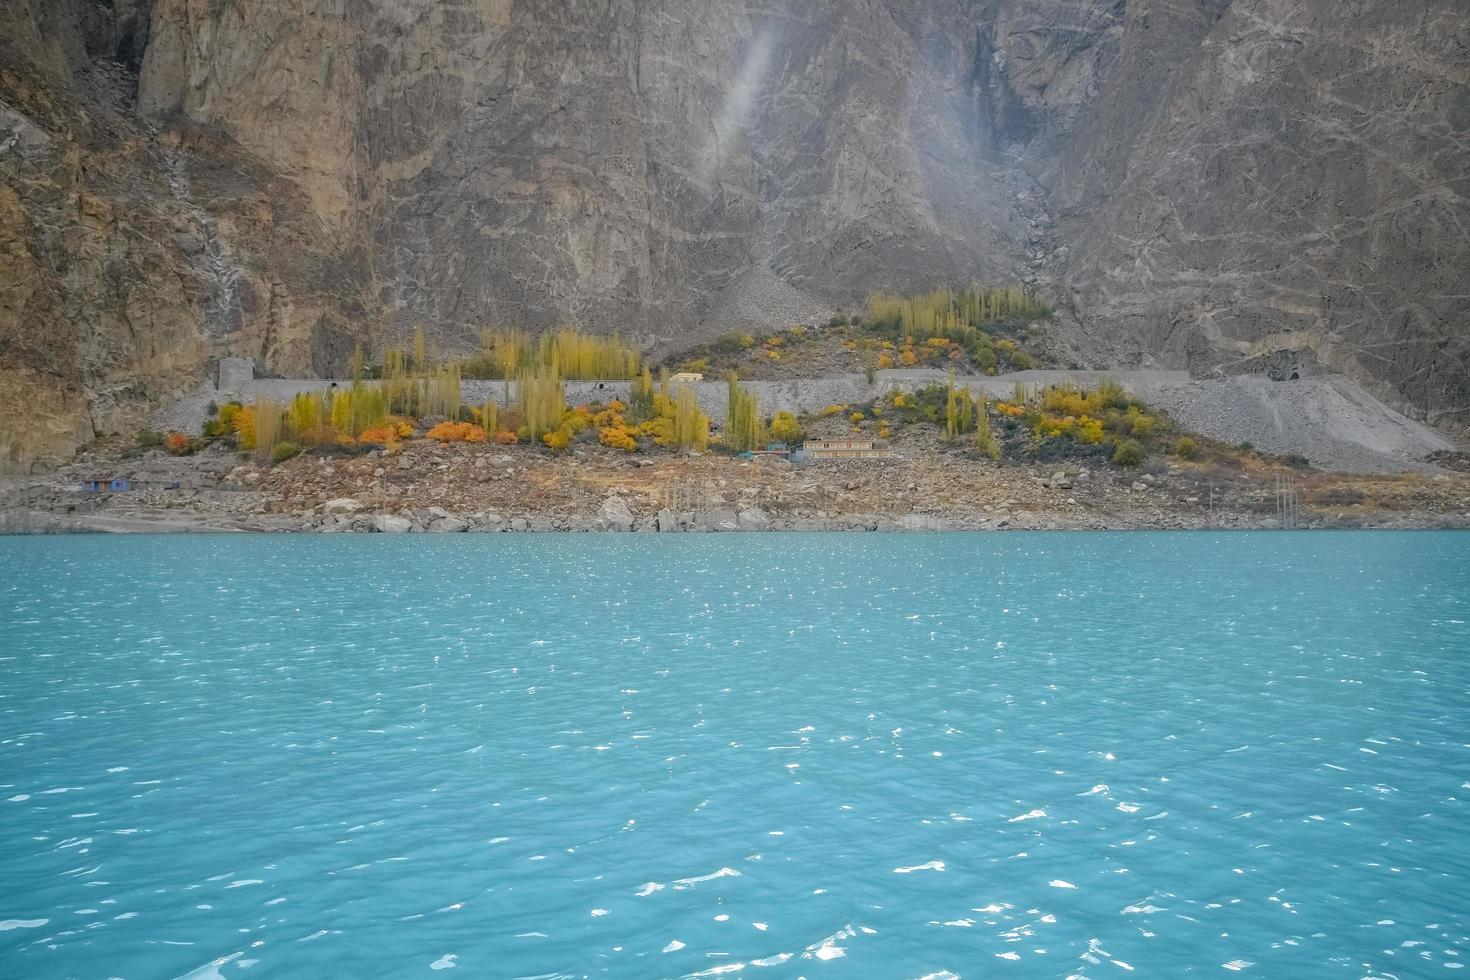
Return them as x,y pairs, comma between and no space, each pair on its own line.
130,256
1296,198
1243,186
623,163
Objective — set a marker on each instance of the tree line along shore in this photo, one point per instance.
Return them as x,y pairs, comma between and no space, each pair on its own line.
399,447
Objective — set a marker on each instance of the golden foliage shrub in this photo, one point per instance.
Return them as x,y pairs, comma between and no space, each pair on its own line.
661,430
785,428
457,432
379,436
617,437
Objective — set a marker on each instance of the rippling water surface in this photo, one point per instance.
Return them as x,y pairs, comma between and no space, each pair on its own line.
783,755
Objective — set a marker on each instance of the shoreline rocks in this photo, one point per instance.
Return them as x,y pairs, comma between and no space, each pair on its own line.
593,489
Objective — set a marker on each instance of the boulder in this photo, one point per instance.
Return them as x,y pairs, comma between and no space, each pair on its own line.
342,505
667,521
615,515
753,519
388,524
449,525
717,520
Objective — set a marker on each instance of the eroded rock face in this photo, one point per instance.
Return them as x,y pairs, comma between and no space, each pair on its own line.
649,167
1243,185
1296,197
131,256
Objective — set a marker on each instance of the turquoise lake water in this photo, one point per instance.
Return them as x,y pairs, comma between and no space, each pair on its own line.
780,755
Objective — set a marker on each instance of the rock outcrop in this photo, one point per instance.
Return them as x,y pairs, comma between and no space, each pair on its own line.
1224,185
132,255
1279,186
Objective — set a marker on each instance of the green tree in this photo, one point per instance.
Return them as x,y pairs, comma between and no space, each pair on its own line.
743,420
640,399
1128,453
542,403
984,435
691,426
959,413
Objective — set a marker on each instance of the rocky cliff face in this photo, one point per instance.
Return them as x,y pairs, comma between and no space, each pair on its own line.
1246,185
628,165
132,254
1293,195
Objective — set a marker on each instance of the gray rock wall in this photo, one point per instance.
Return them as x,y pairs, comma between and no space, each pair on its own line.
1277,184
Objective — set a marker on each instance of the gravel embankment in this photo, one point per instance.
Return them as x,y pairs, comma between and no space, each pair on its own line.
1330,421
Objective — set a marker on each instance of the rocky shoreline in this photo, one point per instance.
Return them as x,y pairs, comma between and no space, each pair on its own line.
435,489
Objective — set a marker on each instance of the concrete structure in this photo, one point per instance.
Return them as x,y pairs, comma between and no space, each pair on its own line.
848,449
686,378
235,374
775,450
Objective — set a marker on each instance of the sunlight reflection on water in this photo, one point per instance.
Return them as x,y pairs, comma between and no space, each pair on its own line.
861,755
